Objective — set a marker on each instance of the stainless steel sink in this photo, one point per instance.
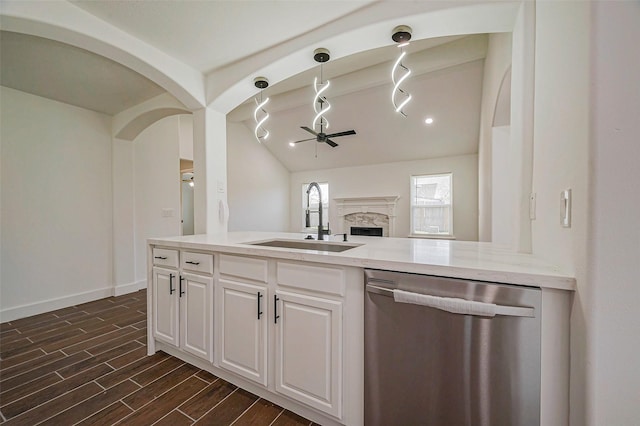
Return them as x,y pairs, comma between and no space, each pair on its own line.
332,246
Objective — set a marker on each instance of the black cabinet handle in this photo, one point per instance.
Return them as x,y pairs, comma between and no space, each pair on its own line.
161,257
259,309
192,263
181,292
171,289
275,309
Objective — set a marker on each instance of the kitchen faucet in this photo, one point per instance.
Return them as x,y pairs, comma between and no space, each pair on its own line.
321,232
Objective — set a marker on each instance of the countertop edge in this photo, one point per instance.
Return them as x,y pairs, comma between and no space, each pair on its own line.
541,279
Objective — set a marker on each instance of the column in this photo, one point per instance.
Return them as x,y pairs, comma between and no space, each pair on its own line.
210,171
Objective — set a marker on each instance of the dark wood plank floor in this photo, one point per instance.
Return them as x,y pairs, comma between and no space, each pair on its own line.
87,364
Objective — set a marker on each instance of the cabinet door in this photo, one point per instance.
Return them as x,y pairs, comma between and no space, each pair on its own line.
243,343
165,305
196,315
309,351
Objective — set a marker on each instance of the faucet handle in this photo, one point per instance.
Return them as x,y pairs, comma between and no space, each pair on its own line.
344,237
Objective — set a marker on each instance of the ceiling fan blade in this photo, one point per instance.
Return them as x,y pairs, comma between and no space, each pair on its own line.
346,133
308,130
331,143
305,140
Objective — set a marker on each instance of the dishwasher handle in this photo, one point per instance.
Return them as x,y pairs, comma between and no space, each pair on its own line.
453,305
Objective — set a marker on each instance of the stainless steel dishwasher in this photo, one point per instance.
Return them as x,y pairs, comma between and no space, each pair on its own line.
443,351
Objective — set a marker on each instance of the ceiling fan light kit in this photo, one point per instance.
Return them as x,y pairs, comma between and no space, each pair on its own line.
399,73
260,115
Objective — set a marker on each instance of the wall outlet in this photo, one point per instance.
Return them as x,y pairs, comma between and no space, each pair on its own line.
221,186
168,212
565,208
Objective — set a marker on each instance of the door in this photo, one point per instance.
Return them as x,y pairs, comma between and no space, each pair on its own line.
165,305
243,342
196,319
309,350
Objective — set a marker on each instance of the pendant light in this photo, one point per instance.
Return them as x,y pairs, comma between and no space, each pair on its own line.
399,72
320,103
260,115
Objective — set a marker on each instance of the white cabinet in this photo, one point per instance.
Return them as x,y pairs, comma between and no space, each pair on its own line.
296,306
308,352
182,302
243,329
243,316
195,314
308,347
281,327
165,305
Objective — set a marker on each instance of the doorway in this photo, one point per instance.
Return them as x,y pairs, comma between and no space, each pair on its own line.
186,196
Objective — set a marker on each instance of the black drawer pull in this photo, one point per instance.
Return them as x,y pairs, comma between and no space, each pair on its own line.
171,289
259,309
192,263
161,257
275,309
181,291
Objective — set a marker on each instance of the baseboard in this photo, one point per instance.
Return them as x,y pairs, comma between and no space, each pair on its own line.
22,311
129,288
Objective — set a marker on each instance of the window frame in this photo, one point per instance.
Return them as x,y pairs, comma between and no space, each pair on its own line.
412,206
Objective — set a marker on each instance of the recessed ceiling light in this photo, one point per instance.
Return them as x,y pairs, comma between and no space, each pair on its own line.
292,144
428,120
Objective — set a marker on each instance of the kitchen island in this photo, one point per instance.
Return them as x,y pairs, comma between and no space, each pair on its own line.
286,323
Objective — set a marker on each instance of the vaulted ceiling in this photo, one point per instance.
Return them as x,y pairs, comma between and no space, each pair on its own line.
445,84
446,80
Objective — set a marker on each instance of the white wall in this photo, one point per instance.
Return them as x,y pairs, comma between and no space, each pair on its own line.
157,187
502,190
394,179
560,162
614,225
496,64
258,184
56,204
123,178
186,136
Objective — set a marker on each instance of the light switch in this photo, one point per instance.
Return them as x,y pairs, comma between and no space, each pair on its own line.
168,212
565,208
220,186
532,206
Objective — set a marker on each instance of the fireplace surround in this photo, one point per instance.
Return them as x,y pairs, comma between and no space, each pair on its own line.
367,212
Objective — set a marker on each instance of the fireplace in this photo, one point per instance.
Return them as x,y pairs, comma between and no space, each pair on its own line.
374,216
369,231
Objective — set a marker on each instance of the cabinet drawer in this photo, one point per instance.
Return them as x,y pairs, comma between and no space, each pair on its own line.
244,267
165,257
315,278
197,262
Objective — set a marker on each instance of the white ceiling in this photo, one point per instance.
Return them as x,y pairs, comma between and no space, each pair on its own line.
67,74
452,97
207,35
446,84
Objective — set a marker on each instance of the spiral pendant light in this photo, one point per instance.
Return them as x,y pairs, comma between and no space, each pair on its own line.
320,103
399,72
260,115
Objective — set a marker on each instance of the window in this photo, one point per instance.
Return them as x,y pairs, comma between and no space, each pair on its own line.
313,205
431,208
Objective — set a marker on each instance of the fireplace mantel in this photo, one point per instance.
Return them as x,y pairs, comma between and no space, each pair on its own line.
384,205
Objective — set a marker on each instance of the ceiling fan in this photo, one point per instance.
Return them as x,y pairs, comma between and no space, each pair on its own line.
323,137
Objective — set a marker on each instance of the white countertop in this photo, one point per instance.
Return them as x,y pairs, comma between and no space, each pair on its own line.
458,259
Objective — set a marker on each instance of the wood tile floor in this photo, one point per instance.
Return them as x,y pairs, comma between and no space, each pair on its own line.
87,364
